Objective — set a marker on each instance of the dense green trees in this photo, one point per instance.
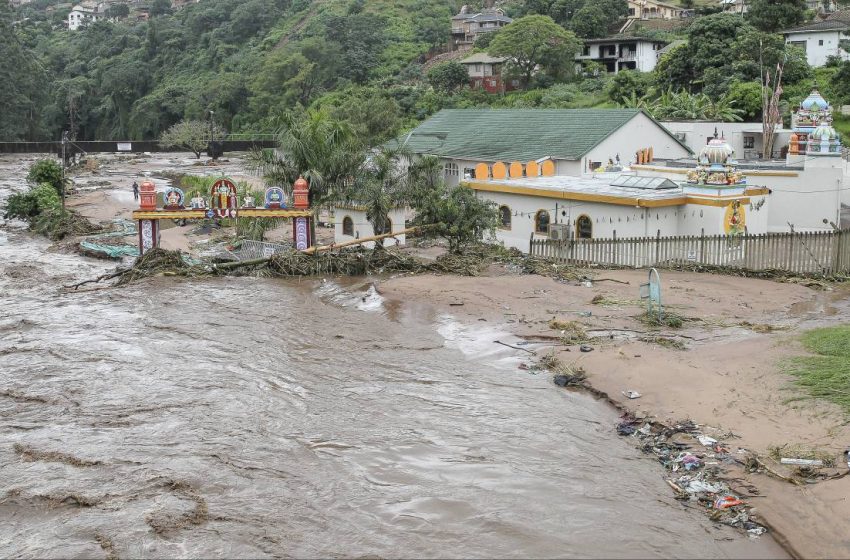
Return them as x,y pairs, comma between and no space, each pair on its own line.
776,15
448,76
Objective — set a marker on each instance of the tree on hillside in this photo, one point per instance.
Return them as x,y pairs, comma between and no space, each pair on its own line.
160,7
190,135
118,11
448,76
533,41
590,22
775,15
841,84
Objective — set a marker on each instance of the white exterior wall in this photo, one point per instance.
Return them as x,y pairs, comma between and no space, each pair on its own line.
640,132
645,58
570,168
802,198
627,221
362,227
697,134
816,53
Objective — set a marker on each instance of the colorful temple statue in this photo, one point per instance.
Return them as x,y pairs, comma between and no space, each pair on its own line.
173,198
248,202
715,165
223,195
275,198
197,202
812,125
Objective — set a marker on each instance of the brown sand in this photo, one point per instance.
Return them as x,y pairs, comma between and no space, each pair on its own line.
728,378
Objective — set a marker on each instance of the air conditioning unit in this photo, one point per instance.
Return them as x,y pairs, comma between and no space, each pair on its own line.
680,136
559,232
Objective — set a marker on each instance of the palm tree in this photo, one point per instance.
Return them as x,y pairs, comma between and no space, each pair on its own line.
312,144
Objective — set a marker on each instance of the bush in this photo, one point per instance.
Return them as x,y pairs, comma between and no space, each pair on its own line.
22,206
46,171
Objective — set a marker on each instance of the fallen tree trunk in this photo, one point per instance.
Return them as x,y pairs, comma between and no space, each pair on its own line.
316,249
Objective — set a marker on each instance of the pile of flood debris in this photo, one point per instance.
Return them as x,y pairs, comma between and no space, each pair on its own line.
695,463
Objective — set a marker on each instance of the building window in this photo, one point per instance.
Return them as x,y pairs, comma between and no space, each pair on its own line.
347,226
505,214
451,169
749,142
584,227
820,43
541,222
631,12
469,173
388,226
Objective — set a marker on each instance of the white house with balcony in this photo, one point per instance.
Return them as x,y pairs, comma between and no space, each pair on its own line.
85,13
821,40
622,53
468,26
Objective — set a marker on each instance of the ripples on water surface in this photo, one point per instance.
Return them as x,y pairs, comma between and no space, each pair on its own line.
255,418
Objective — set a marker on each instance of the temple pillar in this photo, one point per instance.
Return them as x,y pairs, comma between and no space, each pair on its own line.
148,235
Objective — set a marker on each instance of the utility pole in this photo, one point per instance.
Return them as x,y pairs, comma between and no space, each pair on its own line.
64,162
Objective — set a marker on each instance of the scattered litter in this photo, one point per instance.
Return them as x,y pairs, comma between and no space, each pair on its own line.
802,462
691,477
584,313
707,441
588,284
456,303
586,348
727,502
631,394
847,456
524,366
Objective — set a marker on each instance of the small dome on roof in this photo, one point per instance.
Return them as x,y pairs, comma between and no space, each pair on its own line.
814,102
717,151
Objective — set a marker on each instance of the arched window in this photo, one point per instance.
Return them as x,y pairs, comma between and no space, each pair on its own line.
584,227
541,222
451,169
505,214
347,226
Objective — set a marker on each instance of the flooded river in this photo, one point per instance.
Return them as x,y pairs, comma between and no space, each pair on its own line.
247,417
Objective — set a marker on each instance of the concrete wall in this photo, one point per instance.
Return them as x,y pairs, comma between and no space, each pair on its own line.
697,133
817,54
803,199
640,132
627,221
362,227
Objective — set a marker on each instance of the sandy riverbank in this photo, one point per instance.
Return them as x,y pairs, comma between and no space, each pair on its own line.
728,377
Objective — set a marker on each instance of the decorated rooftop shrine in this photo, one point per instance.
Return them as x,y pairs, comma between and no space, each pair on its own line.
222,201
813,131
715,166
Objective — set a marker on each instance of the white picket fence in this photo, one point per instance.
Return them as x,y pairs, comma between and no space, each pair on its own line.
825,253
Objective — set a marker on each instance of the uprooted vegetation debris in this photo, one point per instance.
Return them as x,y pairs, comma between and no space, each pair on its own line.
571,331
664,319
347,262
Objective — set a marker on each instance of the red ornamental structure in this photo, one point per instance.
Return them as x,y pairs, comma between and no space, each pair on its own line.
223,203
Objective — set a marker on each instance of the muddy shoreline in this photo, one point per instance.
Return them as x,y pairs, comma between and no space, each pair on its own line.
728,377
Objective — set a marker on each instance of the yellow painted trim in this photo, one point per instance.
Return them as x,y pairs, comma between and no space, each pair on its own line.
685,170
718,202
200,214
607,199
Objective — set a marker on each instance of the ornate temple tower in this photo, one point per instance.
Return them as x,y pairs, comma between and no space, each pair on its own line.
813,134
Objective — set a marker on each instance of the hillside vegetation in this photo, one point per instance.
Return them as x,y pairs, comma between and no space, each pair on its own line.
249,61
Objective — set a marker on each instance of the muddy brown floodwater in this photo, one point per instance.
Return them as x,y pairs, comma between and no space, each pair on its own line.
245,417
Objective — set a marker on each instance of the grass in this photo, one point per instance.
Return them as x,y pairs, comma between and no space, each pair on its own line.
667,319
826,373
793,451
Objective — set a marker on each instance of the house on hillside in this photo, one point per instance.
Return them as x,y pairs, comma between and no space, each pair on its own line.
653,9
466,26
85,13
570,142
821,40
622,53
485,72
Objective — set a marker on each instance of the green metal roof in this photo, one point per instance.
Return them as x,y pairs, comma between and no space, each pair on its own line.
517,134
